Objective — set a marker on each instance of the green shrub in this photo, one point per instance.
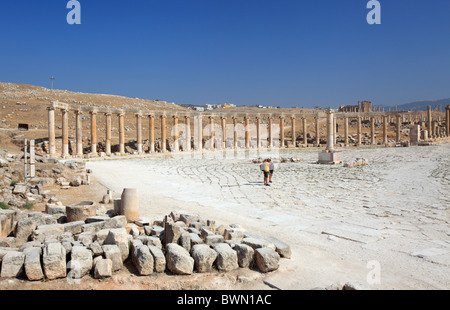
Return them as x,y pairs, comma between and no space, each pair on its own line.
28,205
13,183
3,206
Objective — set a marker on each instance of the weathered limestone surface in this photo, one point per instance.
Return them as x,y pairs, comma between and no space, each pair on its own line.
112,252
204,257
33,266
12,264
178,259
54,261
82,258
227,259
245,254
142,258
267,259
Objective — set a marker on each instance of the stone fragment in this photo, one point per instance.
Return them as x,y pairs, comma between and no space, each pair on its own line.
204,257
172,232
103,268
245,255
256,243
33,266
119,237
178,259
185,240
158,258
12,264
226,257
112,252
81,260
267,259
195,239
73,227
86,238
54,261
214,239
142,259
283,249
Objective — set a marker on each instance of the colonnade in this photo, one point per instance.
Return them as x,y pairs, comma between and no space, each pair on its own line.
269,134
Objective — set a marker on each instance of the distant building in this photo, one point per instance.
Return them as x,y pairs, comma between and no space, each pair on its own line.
363,106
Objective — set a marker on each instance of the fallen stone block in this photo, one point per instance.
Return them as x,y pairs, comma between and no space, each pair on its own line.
267,259
142,259
54,261
214,239
245,254
12,264
119,237
283,249
204,257
73,227
103,268
118,221
158,258
172,232
42,234
195,239
257,243
33,266
185,240
178,259
227,259
93,227
80,211
96,248
112,252
81,261
86,238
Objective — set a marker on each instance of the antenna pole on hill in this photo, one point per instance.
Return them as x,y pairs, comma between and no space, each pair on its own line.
52,78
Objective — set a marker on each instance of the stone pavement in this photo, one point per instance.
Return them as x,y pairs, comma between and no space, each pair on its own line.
398,203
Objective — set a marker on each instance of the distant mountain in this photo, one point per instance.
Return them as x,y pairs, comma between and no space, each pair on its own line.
423,104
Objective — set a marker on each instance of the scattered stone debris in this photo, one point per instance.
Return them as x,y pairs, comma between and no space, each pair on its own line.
358,162
45,246
278,160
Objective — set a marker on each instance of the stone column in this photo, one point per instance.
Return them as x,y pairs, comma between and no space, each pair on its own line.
334,130
281,132
108,134
305,133
330,131
258,132
398,126
247,132
151,120
139,132
293,130
93,131
430,122
79,133
346,130
51,131
121,116
447,120
163,134
176,145
235,137
385,126
224,132
270,132
211,123
317,131
65,132
359,131
198,133
372,130
188,132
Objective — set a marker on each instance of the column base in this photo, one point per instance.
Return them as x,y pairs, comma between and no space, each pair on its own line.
330,157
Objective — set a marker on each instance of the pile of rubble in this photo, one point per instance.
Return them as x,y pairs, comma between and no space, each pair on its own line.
15,193
39,246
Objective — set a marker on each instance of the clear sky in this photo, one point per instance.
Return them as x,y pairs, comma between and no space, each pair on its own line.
287,53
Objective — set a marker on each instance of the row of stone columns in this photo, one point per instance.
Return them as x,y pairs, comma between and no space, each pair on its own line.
198,134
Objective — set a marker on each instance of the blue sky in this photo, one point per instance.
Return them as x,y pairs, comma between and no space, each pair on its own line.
285,52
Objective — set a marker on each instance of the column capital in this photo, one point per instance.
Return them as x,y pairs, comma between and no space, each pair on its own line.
93,111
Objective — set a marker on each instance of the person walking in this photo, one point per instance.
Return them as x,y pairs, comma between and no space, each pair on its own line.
271,169
265,167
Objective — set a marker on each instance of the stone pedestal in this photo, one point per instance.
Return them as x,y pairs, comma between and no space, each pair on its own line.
81,211
330,157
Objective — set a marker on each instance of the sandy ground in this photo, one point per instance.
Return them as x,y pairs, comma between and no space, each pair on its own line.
384,225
